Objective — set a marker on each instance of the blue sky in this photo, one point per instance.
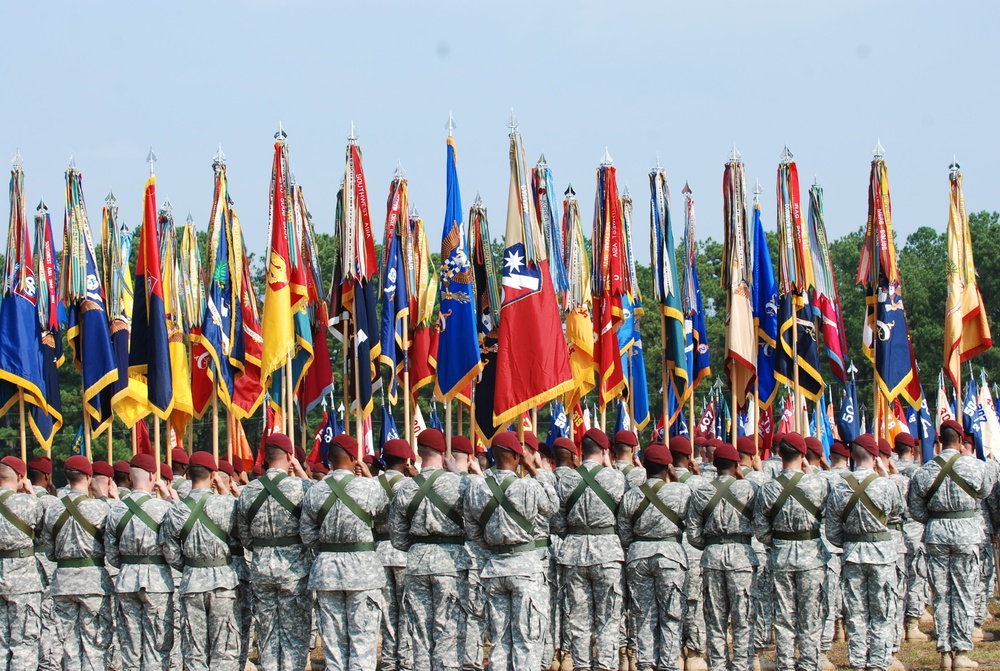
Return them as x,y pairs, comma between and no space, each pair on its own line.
683,81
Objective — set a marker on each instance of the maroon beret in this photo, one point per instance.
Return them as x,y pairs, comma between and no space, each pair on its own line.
598,437
226,468
79,463
122,466
346,443
166,472
814,445
368,458
657,453
566,444
969,439
280,441
680,445
795,441
744,445
953,425
462,444
508,441
700,441
179,456
905,440
398,448
300,454
626,438
103,468
867,442
715,443
41,464
884,447
432,439
203,459
320,468
840,448
144,462
726,451
16,464
530,439
258,470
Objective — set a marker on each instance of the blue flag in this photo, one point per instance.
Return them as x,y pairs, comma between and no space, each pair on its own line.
921,424
76,447
458,342
893,359
558,424
765,313
848,421
388,431
972,416
433,421
395,300
636,367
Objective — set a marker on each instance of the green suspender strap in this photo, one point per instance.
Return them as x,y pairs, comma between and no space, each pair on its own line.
628,469
686,476
860,495
198,515
722,491
9,515
271,490
789,489
652,498
72,510
388,484
426,491
338,492
135,510
499,500
947,471
589,481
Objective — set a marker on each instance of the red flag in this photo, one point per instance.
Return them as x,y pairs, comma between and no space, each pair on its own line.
142,443
706,424
315,457
765,431
423,355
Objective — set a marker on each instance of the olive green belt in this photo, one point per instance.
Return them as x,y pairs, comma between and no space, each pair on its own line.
83,562
347,547
21,553
674,538
728,539
217,562
278,542
588,531
795,535
873,537
953,515
137,560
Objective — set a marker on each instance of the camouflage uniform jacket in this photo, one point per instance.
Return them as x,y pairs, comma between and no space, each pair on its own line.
634,475
589,512
181,485
833,476
793,530
951,515
45,566
772,466
356,570
132,546
389,556
202,555
408,528
269,528
19,574
512,548
652,533
847,528
724,523
74,543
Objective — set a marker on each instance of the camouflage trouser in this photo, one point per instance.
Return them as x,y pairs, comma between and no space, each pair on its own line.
899,602
551,591
49,648
515,622
431,610
349,623
726,597
987,569
593,609
210,633
19,627
244,619
834,601
395,639
658,603
472,621
799,613
283,618
694,621
83,624
762,604
916,581
145,623
868,596
954,577
176,655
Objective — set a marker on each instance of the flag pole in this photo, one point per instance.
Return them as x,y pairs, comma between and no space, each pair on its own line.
347,399
796,407
111,458
156,439
190,436
229,436
472,416
408,421
458,421
692,427
447,428
24,435
135,442
663,383
756,416
358,414
289,403
735,410
86,434
215,424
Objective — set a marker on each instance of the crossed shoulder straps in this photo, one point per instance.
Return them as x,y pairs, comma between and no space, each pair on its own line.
135,510
651,497
425,490
948,471
723,490
72,510
338,492
790,489
272,491
9,515
500,500
860,495
589,481
197,515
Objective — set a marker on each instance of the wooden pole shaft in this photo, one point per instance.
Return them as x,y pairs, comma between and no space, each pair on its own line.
24,434
407,417
447,428
215,425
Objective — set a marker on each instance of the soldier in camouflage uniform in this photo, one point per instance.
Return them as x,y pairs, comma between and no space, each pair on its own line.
397,456
104,478
762,591
787,518
895,524
49,648
839,456
694,621
338,515
915,602
945,495
176,657
72,534
534,452
244,590
268,518
499,512
20,584
987,565
472,613
858,523
591,555
144,585
425,521
719,524
650,525
566,455
196,534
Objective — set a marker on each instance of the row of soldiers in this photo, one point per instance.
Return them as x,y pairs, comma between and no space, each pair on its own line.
571,554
